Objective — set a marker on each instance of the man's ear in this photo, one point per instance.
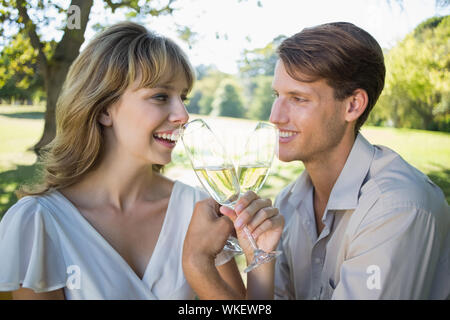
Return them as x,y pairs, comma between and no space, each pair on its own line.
356,105
105,117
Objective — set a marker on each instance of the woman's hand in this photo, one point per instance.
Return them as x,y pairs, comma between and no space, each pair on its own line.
207,233
205,238
263,221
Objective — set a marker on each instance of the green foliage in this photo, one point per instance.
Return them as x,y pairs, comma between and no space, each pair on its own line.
202,95
260,61
227,101
256,69
193,105
19,76
262,99
417,89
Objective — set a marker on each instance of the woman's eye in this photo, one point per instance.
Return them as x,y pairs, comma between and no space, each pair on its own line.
185,99
161,97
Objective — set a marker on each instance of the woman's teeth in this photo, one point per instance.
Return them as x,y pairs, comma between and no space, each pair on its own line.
172,137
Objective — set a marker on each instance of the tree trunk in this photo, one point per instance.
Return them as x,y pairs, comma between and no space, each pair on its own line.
66,52
56,76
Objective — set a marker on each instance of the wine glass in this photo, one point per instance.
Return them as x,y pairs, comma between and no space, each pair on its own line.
253,169
213,168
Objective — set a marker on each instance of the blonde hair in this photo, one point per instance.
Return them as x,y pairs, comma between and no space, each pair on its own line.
115,58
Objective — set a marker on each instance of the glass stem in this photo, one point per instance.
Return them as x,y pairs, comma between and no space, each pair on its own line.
247,232
250,238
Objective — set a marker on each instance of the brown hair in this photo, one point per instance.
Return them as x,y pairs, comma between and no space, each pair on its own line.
111,62
346,56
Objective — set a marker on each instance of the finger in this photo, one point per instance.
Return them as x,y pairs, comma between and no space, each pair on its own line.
261,216
207,208
274,223
247,214
228,212
244,201
224,224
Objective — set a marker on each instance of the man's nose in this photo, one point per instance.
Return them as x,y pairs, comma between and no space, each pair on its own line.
278,113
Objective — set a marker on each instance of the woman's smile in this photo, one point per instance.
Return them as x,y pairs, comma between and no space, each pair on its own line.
167,138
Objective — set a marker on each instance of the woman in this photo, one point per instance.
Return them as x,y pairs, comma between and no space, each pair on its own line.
104,223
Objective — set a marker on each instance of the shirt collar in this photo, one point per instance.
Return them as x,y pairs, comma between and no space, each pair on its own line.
345,192
300,189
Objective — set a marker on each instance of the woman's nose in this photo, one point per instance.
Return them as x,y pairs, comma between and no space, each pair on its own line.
179,113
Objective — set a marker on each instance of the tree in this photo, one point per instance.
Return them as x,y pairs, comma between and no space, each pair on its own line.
417,89
203,92
227,101
260,61
193,105
257,68
262,100
19,77
28,16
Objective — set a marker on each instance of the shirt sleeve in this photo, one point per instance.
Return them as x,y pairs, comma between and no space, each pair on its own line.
29,249
283,286
392,256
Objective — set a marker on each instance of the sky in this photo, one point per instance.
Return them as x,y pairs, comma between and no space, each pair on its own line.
225,28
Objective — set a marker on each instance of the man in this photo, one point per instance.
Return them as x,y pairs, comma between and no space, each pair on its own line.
360,222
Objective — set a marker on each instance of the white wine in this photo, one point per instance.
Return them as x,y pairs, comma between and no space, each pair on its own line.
220,182
252,177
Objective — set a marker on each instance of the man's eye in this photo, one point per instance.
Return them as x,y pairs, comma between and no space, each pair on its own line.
299,99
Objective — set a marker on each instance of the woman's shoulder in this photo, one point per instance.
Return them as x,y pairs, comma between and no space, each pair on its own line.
29,208
24,208
30,248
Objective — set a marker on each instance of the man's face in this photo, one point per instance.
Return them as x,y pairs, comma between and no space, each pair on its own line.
311,121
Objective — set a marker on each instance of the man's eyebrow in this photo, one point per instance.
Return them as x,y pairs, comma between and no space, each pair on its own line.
296,92
299,92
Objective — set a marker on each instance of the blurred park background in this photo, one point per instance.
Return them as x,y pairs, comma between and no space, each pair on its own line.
234,57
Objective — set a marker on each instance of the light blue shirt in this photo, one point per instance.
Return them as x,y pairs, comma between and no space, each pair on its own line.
386,233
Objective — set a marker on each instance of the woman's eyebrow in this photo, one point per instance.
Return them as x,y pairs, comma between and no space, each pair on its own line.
163,86
169,87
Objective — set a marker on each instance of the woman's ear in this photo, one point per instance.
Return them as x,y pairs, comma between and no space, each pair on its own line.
105,117
356,104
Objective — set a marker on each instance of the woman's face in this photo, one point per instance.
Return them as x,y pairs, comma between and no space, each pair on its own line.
145,122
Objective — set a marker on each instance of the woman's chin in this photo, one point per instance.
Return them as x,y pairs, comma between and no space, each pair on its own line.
163,161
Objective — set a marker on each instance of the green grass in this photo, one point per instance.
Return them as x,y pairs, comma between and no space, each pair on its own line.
21,127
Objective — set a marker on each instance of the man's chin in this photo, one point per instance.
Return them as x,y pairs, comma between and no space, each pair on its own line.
286,158
290,157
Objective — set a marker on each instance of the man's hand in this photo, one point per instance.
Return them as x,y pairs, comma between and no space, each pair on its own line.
207,235
263,221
